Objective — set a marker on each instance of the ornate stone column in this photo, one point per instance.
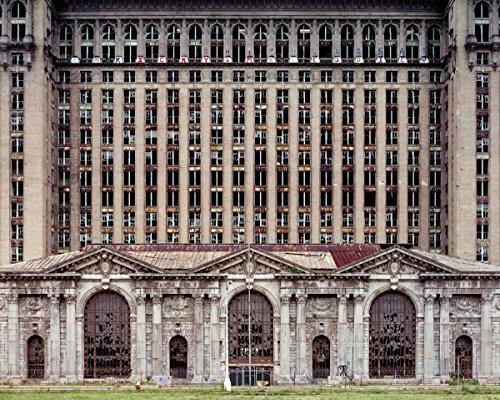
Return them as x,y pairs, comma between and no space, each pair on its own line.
285,339
428,338
55,338
141,336
486,342
215,375
444,336
358,336
13,334
156,337
198,338
70,299
341,332
301,338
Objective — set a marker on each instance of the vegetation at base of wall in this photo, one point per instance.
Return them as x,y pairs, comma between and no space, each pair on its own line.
320,393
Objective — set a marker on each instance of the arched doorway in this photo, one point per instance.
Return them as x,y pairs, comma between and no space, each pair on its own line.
463,357
392,336
36,357
107,336
178,357
321,357
250,338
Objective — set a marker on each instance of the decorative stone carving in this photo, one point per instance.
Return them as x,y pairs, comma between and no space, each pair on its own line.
263,270
140,299
54,299
301,299
463,304
486,298
12,298
178,303
157,298
342,299
285,299
320,304
33,304
198,298
359,298
70,298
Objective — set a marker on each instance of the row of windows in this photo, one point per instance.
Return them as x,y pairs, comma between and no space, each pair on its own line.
304,76
263,46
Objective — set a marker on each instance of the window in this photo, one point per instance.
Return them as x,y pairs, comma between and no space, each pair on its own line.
347,43
65,42
369,43
482,58
347,76
412,43
434,44
391,76
216,76
217,43
152,43
151,76
435,76
108,43
282,76
260,43
260,76
195,76
238,76
87,43
304,43
195,36
325,43
17,59
390,42
282,43
18,22
129,76
370,76
107,76
482,22
172,76
85,76
239,43
173,43
64,77
304,76
130,44
413,76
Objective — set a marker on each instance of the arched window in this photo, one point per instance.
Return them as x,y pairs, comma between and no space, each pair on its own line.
321,357
260,43
130,44
369,43
347,43
412,43
282,43
482,22
108,43
178,357
217,43
106,336
390,43
304,43
463,357
36,358
195,34
239,43
325,43
434,43
152,43
392,336
17,21
87,43
65,42
250,338
173,43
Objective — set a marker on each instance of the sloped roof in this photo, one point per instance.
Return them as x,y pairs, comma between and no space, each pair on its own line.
459,264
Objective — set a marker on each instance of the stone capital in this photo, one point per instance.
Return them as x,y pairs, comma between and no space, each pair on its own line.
140,299
12,298
157,298
54,299
359,298
444,299
70,298
285,299
486,298
301,298
198,298
429,298
214,299
342,299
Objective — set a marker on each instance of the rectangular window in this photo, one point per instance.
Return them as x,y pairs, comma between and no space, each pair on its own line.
260,76
129,76
326,76
85,76
282,76
195,76
151,76
391,76
304,76
172,76
107,76
370,76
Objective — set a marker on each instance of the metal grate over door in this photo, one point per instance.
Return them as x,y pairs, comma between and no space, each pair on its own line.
392,336
107,336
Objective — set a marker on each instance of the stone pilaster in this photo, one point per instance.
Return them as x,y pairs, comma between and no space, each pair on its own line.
156,337
13,334
141,337
70,299
444,337
342,331
428,338
301,339
486,340
215,371
198,338
358,337
285,339
55,338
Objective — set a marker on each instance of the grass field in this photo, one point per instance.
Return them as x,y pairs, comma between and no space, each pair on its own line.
244,394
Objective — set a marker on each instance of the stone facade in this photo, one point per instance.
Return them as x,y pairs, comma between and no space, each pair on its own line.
313,291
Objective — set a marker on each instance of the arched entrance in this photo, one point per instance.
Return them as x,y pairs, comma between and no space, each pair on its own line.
107,336
178,357
321,357
463,357
250,338
392,336
36,357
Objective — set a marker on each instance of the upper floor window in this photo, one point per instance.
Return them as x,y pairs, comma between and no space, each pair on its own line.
482,22
195,34
18,22
434,43
412,43
390,42
108,43
325,43
152,43
260,43
173,43
65,42
87,42
347,41
282,43
304,43
130,44
369,42
239,43
217,43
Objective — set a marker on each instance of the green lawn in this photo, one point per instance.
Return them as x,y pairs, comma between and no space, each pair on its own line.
243,394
